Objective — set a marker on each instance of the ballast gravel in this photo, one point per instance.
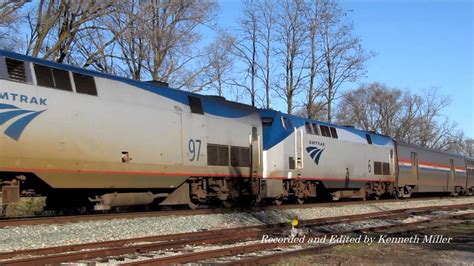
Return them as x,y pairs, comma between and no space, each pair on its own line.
40,236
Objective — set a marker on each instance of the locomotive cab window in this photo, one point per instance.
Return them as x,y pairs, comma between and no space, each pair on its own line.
325,131
333,132
53,78
85,84
286,123
309,128
195,105
316,129
369,139
16,70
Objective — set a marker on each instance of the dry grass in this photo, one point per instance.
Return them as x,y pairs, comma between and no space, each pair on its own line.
28,206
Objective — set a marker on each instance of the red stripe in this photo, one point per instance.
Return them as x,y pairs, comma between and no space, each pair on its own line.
327,178
172,174
431,164
114,172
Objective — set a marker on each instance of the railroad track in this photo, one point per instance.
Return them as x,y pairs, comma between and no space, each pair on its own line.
62,219
175,248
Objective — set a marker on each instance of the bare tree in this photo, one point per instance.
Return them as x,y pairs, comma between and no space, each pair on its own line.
315,90
56,23
343,55
9,20
265,10
246,49
402,115
8,10
123,47
318,109
217,66
291,31
150,39
172,35
468,147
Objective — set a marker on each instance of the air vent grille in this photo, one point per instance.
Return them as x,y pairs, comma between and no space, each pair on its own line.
16,70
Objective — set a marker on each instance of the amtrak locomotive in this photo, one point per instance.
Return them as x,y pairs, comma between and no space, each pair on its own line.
87,139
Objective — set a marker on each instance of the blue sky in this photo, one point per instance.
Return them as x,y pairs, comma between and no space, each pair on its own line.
419,45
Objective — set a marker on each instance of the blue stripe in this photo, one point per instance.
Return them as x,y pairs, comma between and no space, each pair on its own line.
318,156
5,116
7,106
14,130
313,152
211,106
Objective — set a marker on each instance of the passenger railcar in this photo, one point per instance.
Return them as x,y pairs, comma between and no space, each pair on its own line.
470,176
426,170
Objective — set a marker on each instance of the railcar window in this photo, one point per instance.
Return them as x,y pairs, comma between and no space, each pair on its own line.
53,78
325,131
44,76
369,139
240,156
377,168
316,129
61,79
195,105
287,123
217,155
386,168
333,132
16,70
309,128
470,164
85,84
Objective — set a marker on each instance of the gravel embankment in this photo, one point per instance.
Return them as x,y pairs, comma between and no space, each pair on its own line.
27,237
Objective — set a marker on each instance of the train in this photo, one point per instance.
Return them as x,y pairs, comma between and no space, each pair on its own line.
87,139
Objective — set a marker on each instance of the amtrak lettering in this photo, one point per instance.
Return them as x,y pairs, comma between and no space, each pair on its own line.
10,96
315,142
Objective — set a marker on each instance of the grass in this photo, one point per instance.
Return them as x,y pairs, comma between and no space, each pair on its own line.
28,206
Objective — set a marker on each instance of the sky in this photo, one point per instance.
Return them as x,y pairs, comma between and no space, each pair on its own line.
419,45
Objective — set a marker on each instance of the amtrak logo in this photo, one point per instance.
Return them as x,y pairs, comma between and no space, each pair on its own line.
22,119
315,153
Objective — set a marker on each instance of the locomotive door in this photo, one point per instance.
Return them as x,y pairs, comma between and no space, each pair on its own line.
256,147
452,174
414,166
299,149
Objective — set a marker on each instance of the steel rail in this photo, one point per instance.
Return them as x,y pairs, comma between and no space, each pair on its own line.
120,247
63,219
